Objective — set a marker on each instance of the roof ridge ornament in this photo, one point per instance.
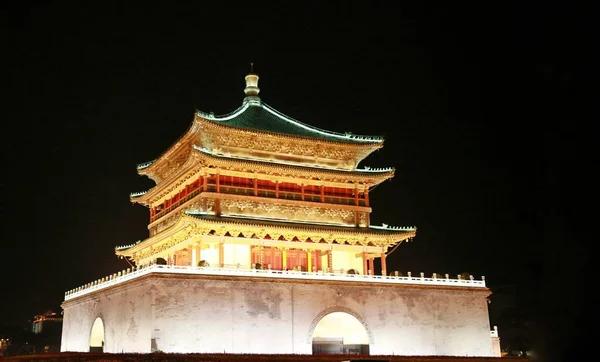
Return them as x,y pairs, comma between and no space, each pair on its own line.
251,89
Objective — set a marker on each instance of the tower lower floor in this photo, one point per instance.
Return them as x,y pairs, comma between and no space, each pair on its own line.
179,313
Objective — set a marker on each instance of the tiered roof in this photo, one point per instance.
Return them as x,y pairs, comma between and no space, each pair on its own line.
201,156
376,236
258,116
256,120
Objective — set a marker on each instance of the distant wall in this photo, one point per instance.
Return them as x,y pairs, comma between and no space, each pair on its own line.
222,314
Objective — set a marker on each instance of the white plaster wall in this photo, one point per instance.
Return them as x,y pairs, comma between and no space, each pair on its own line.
211,255
221,316
419,321
203,314
234,254
497,352
324,262
356,263
125,312
346,260
343,260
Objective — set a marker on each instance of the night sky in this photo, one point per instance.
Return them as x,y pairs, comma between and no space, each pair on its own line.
486,112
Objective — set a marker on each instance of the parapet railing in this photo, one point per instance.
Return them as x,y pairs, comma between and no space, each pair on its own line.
133,273
494,333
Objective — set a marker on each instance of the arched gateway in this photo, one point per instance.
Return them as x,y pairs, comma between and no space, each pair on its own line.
97,336
339,330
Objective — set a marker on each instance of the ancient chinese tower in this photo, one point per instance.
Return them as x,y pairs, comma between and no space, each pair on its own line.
260,230
256,188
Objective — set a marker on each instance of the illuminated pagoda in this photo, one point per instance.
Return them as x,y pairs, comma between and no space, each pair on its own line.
259,231
257,188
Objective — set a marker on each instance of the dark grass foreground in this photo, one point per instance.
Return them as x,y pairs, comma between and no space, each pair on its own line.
200,357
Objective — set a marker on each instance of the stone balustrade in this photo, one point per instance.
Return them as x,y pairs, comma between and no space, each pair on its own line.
234,270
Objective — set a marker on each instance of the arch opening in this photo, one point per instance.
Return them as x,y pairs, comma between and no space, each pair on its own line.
97,336
340,333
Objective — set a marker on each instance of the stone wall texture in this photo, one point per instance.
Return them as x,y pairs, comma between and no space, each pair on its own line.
186,314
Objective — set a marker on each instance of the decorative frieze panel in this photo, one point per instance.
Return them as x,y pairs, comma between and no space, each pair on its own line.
164,224
165,244
212,137
179,227
362,219
209,205
287,212
170,162
199,204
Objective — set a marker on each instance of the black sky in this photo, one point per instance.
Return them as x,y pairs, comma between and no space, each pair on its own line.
486,110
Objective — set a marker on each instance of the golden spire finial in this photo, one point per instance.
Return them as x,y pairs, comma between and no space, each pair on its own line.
251,89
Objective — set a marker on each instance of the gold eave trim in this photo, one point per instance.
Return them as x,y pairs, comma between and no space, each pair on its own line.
171,231
193,128
189,133
351,236
189,169
269,200
200,161
252,132
188,226
283,170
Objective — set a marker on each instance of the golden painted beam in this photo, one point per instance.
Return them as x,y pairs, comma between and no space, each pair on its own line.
198,163
189,227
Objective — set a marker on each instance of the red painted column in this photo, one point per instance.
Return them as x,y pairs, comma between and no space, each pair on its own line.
318,261
261,251
365,267
383,265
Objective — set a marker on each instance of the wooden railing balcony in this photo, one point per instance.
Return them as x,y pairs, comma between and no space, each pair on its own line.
285,194
174,205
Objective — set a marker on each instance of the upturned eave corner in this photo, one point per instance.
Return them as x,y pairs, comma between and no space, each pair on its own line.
136,200
140,198
190,225
215,126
